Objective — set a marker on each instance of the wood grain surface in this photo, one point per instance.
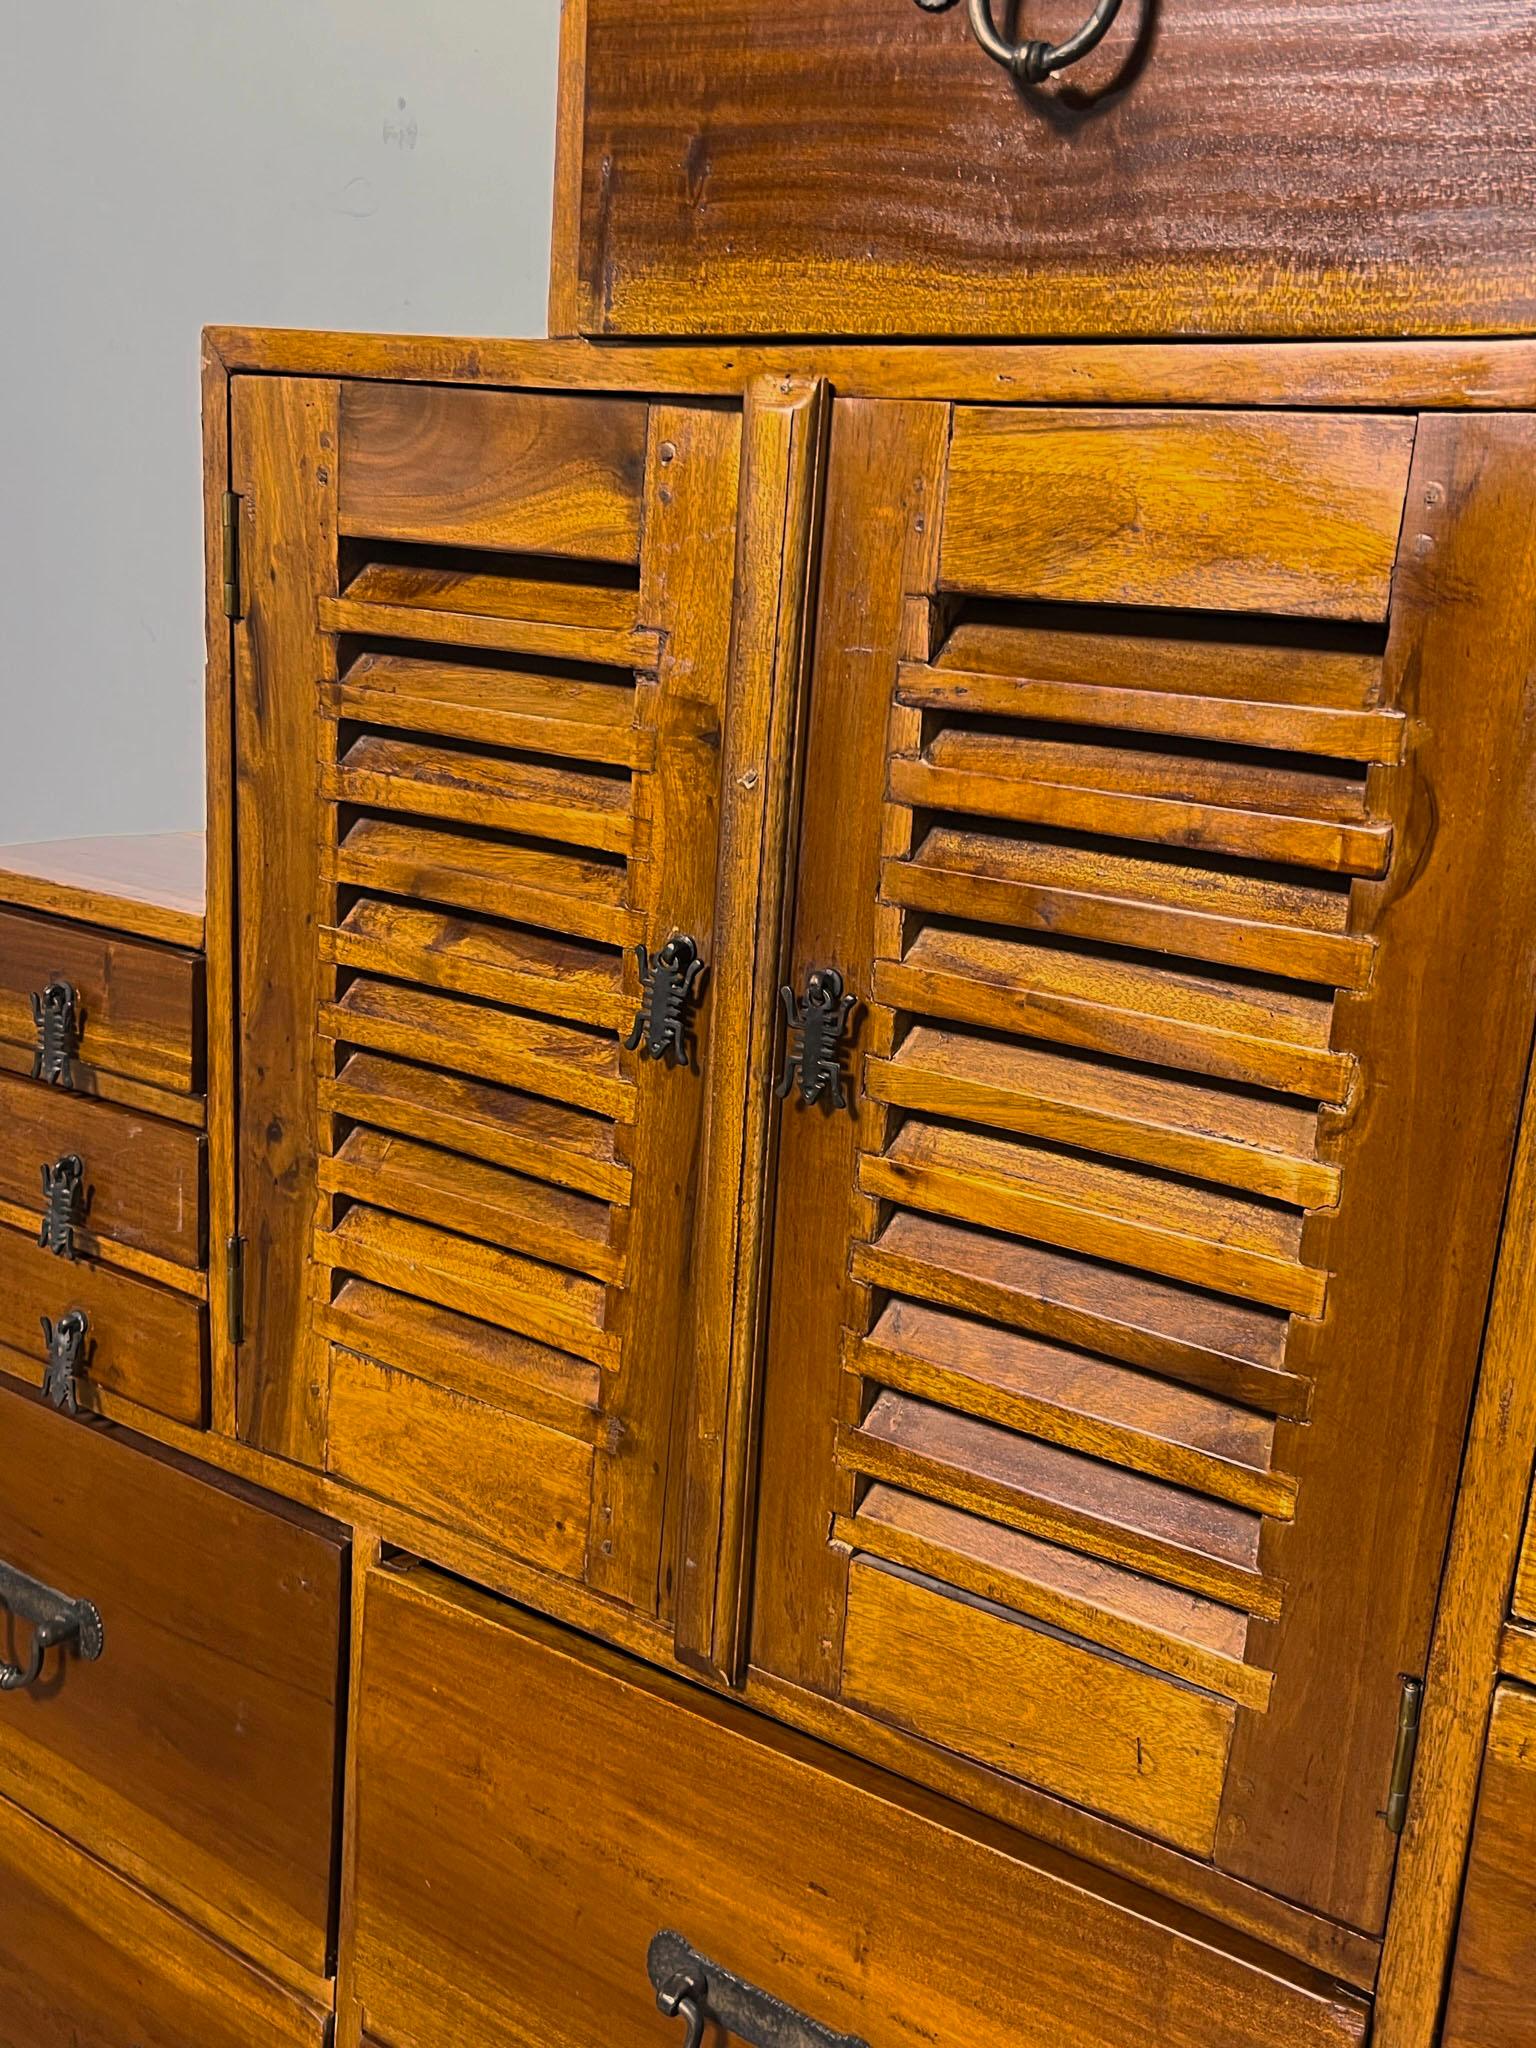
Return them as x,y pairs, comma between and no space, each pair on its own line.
1223,169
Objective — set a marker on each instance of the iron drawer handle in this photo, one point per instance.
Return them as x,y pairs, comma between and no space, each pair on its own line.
1032,62
668,985
696,1991
66,1341
55,1620
684,1998
819,1020
57,1015
64,1205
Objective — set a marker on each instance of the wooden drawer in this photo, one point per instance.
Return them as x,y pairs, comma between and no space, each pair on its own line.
627,1806
142,1342
143,1179
87,1961
198,1754
139,1005
1493,2004
866,169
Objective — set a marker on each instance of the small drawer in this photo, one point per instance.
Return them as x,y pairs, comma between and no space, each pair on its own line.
142,1342
1492,2003
87,1961
141,1183
138,1007
197,1753
629,1807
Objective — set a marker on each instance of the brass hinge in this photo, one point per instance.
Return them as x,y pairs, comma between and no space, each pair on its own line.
234,1288
1409,1710
232,556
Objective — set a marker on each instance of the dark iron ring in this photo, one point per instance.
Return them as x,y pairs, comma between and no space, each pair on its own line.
1034,61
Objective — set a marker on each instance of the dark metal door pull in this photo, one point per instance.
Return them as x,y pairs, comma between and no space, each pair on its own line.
56,1013
54,1619
819,1018
64,1205
668,985
66,1341
690,1988
1034,61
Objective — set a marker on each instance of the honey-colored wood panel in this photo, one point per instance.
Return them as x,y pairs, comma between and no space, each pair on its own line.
534,475
608,1816
778,532
1410,1248
1491,2001
1095,1728
1247,512
506,1480
283,464
147,883
687,593
144,1342
87,1961
197,1755
1188,1637
580,720
1132,702
1479,375
1525,1575
865,169
143,1177
140,1005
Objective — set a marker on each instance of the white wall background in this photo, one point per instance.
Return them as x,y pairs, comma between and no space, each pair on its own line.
382,164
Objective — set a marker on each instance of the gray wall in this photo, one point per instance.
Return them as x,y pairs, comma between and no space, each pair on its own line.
379,164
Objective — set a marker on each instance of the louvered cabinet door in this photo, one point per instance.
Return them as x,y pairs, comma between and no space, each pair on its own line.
482,689
1168,778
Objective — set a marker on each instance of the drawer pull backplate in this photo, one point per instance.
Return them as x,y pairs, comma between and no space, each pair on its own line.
690,1988
668,985
56,1013
66,1341
819,1020
64,1205
54,1620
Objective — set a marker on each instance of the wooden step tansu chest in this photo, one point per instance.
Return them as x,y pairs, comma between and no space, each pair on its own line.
841,1291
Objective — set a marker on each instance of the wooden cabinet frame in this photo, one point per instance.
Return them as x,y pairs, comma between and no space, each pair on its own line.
705,1628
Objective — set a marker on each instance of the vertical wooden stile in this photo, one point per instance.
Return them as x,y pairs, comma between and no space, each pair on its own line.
784,436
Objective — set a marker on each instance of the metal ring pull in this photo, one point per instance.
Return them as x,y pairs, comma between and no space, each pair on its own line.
1034,61
55,1620
684,1997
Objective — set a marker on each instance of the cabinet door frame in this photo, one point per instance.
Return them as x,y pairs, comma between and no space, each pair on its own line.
1305,1823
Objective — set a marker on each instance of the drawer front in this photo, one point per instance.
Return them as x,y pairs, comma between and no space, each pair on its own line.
627,1807
142,1184
1491,2003
198,1753
138,1006
141,1342
1220,169
87,1961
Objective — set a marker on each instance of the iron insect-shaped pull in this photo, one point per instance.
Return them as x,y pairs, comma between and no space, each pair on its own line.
64,1205
668,984
66,1341
56,1013
818,1019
